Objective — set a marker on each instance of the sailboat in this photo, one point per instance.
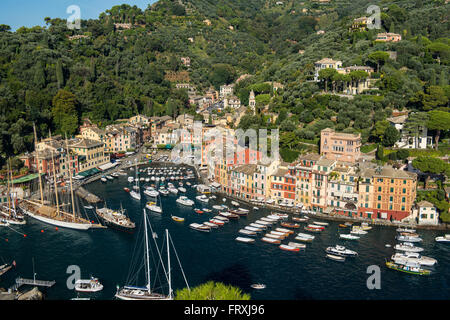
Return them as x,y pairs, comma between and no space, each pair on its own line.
53,215
9,213
145,293
136,193
153,206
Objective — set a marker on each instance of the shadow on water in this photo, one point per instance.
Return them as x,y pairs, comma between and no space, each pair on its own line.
237,275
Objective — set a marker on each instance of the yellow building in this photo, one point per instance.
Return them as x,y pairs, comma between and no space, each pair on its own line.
91,153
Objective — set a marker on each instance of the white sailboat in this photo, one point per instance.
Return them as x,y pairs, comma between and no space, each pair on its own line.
8,212
146,293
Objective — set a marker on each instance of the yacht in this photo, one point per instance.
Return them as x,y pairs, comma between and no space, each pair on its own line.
408,238
413,257
341,251
91,285
185,201
407,246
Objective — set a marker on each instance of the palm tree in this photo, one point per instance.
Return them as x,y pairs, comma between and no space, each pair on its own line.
211,291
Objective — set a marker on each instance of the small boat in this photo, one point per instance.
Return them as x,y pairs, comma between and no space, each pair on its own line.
89,207
130,179
229,215
153,207
264,223
270,240
217,207
177,219
315,226
297,245
287,247
151,192
218,222
348,237
234,203
255,208
109,177
409,268
200,227
312,229
5,268
290,225
269,220
277,233
135,195
343,226
103,179
325,224
407,234
358,231
287,231
126,189
304,219
253,229
257,225
224,199
405,230
185,201
206,210
245,240
274,236
445,238
280,215
202,198
221,218
247,232
335,258
91,285
198,211
210,224
365,226
182,189
258,286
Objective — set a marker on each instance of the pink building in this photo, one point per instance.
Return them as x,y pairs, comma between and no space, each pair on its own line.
340,146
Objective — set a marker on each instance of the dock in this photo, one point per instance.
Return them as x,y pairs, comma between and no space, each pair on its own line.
31,282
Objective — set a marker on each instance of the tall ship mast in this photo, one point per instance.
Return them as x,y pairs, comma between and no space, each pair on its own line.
48,213
9,212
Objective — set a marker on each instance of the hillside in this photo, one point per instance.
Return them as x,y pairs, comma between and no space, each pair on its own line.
54,76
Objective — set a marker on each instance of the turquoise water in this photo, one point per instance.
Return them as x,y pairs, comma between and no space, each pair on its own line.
107,254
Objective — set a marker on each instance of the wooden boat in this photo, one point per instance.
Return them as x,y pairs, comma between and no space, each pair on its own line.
336,258
210,224
325,224
265,223
409,268
290,225
200,227
257,225
277,233
177,219
297,245
312,229
300,219
245,240
218,222
315,226
270,240
286,247
283,230
198,211
126,189
253,229
343,226
247,232
273,236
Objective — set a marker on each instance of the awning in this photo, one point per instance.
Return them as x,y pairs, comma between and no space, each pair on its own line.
89,172
26,178
107,166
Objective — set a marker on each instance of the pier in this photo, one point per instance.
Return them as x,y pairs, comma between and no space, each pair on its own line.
31,282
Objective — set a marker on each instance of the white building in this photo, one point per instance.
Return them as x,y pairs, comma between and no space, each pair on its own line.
226,90
408,141
426,213
324,64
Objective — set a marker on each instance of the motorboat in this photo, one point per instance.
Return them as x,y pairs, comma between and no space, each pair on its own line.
307,228
164,192
182,189
253,229
126,189
408,239
151,192
153,207
247,232
257,225
198,211
89,207
408,247
358,231
258,286
185,201
216,207
410,268
234,203
130,179
287,231
91,285
177,219
210,224
109,177
335,258
413,257
135,195
265,223
202,198
229,215
445,238
206,210
103,179
221,218
406,230
303,238
341,251
315,226
298,219
348,236
290,225
325,224
217,221
172,190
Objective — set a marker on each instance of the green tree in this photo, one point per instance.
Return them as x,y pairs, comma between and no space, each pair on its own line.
378,57
390,136
414,126
211,291
326,75
64,112
439,121
59,74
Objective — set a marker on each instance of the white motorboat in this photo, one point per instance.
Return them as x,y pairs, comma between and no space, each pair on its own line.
206,210
234,203
297,245
222,218
407,246
341,251
130,179
408,239
103,179
348,236
210,224
153,207
185,201
445,238
270,240
247,232
202,198
257,225
216,207
163,191
91,285
151,192
413,257
406,230
253,229
358,231
258,286
288,247
335,258
265,223
182,189
135,195
173,190
320,223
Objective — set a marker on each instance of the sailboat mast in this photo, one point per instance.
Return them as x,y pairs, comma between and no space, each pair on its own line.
56,185
168,265
9,190
146,250
70,177
12,189
37,163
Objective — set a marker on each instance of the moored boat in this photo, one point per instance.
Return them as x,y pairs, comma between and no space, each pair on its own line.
341,251
335,258
90,285
287,247
200,227
410,268
297,245
177,219
270,240
245,239
290,225
348,236
445,238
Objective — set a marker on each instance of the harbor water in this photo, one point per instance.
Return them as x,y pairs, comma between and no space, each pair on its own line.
217,256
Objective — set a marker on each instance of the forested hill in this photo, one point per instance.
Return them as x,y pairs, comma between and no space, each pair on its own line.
128,61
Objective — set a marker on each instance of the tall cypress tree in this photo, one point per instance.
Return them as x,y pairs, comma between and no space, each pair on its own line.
59,74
